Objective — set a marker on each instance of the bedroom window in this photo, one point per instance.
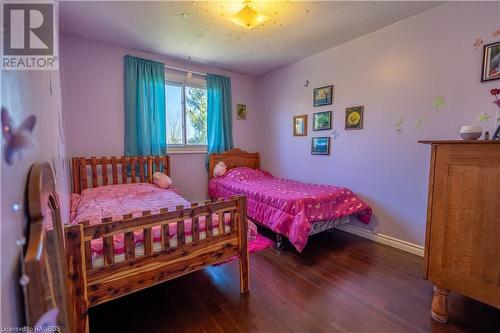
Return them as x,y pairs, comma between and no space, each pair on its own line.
186,107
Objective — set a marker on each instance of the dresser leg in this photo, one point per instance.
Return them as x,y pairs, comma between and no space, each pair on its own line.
439,310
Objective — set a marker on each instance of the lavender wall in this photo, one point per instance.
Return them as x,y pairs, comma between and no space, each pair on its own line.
25,93
394,72
93,107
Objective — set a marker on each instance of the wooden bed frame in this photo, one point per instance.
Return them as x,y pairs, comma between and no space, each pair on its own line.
232,159
88,286
94,171
44,279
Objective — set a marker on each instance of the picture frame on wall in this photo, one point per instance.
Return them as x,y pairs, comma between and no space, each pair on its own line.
354,117
322,121
241,111
300,125
320,145
323,96
491,62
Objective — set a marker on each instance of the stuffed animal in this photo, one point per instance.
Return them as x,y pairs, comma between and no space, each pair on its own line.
162,180
220,169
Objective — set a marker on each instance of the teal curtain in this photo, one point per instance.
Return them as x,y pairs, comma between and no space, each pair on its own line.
219,114
145,128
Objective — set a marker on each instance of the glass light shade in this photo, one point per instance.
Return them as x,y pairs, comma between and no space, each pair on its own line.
248,17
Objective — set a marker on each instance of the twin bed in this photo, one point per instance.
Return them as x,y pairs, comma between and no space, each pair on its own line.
126,234
290,208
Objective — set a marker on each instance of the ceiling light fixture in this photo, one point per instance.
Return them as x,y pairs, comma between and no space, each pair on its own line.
248,17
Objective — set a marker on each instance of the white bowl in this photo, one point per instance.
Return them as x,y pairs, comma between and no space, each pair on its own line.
472,132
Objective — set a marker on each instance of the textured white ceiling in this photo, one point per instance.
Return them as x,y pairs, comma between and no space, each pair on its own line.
199,29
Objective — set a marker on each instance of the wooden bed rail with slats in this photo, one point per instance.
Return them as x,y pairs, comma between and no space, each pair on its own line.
98,171
95,285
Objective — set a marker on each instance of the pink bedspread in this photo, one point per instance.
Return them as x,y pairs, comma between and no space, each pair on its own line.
116,200
286,206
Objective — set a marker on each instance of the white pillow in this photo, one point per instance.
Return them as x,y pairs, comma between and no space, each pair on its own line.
162,180
220,169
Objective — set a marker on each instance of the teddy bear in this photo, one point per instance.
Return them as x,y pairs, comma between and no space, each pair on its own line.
162,180
220,169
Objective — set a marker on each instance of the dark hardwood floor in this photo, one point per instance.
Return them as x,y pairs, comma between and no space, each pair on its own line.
340,283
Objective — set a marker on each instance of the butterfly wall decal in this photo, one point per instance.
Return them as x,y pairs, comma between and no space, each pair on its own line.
16,139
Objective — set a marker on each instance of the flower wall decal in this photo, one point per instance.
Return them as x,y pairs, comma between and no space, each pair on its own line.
439,103
423,120
478,43
399,124
483,117
335,134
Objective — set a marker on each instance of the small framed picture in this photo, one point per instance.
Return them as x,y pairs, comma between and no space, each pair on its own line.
323,96
491,62
241,111
320,145
322,121
354,117
300,125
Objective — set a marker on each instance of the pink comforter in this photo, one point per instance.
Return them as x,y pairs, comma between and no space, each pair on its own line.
116,200
286,206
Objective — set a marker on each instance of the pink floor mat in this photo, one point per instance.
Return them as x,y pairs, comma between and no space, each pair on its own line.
258,244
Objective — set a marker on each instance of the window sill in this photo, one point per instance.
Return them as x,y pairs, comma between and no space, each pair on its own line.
186,150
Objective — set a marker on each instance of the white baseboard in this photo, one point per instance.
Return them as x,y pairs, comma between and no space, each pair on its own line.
383,239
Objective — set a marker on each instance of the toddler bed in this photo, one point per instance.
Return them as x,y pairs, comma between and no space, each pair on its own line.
127,234
290,208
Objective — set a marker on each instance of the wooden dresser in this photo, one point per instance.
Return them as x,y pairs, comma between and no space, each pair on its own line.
462,244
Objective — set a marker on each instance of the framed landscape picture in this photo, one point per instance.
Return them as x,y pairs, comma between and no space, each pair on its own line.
300,125
354,117
322,121
491,62
320,145
323,96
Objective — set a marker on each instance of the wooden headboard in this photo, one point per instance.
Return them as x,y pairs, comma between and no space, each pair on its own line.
234,158
44,261
99,171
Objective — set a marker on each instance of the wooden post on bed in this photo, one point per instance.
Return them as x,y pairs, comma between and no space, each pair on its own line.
78,310
243,244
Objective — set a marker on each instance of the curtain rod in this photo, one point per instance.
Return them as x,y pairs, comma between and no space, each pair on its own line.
185,70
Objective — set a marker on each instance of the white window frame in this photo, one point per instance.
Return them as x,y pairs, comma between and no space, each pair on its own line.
185,148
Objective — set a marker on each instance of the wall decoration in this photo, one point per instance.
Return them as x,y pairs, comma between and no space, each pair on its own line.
307,83
241,111
478,43
335,134
491,62
16,140
483,117
496,93
320,145
399,125
423,120
323,96
322,121
439,103
496,33
354,117
300,125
